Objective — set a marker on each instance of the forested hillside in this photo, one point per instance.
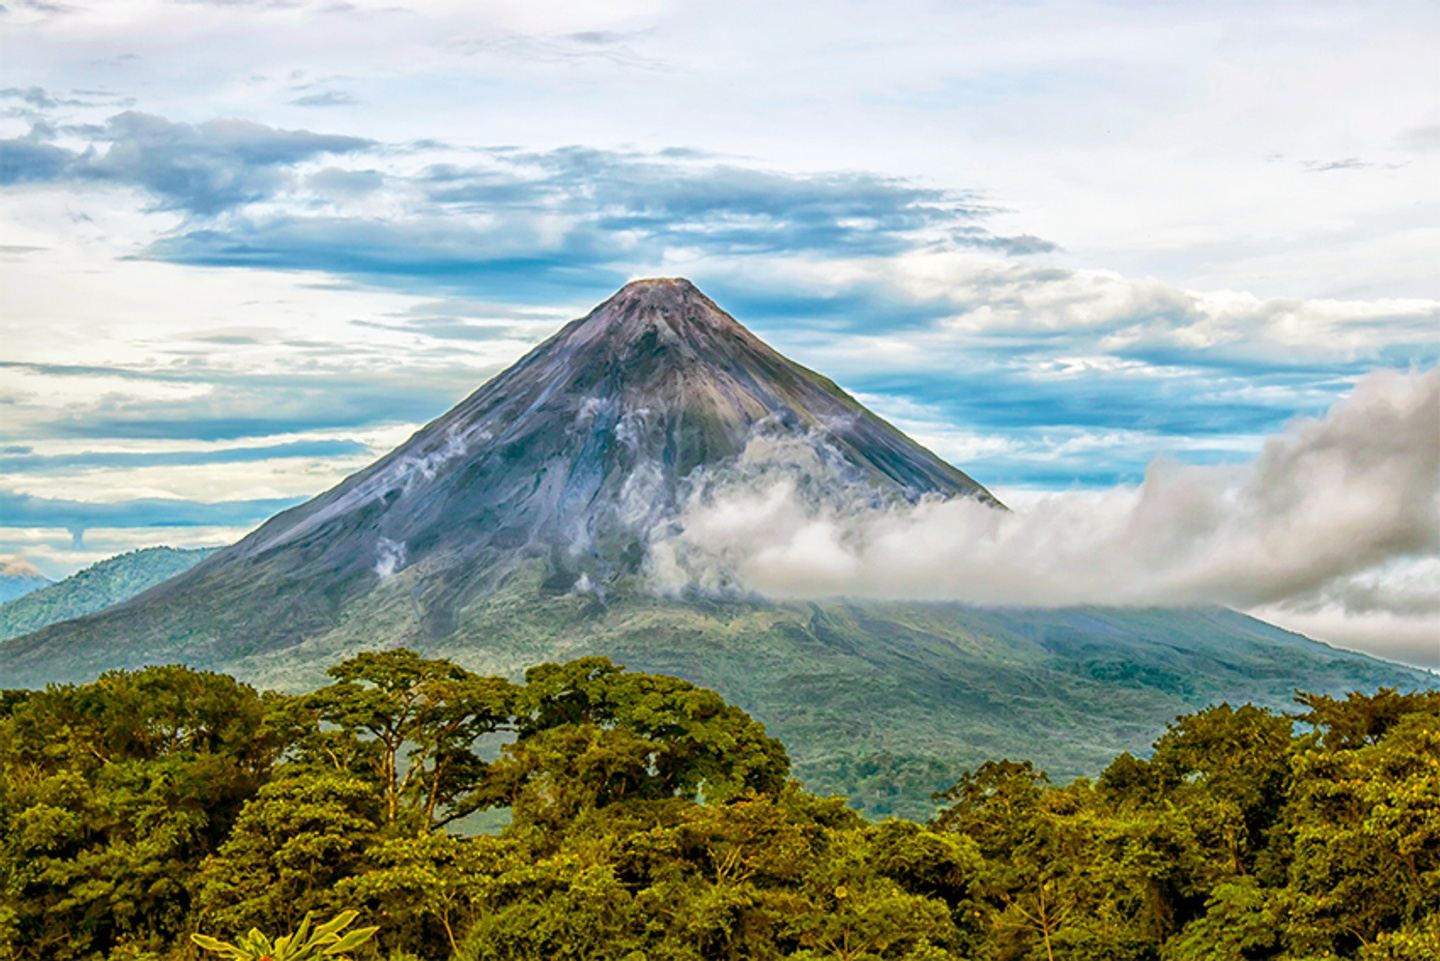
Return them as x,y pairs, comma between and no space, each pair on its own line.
97,587
643,817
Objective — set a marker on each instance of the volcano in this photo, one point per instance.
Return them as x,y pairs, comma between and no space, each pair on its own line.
517,528
573,456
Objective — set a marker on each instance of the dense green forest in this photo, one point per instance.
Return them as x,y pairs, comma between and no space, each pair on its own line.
595,813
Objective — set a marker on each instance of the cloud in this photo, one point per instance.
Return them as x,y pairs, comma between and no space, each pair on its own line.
608,46
571,213
34,96
200,168
1422,139
28,160
718,207
576,222
325,98
45,7
1324,506
424,253
1329,166
24,462
339,183
220,404
39,100
16,566
1410,637
576,218
27,511
950,305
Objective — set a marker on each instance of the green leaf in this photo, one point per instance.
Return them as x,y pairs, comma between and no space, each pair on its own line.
255,942
301,938
335,925
216,945
351,941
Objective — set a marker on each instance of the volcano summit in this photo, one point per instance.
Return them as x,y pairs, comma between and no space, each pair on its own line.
517,528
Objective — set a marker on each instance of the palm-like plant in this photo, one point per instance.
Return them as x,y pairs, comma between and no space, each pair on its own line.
324,941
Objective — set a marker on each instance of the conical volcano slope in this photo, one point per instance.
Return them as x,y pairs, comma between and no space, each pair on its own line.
517,528
558,469
580,448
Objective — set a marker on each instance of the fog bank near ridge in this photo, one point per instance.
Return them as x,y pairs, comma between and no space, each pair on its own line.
1336,516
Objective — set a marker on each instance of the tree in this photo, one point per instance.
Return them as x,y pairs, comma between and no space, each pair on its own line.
111,793
419,721
591,734
423,888
994,804
1365,823
1361,719
294,842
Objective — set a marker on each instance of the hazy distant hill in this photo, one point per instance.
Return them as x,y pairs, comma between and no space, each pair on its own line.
95,588
515,529
19,577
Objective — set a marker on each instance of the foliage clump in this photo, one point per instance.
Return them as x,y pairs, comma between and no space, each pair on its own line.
308,943
638,816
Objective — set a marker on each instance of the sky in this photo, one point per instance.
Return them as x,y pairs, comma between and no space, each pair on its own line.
246,247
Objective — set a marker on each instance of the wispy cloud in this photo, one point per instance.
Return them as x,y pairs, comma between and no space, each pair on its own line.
1422,138
326,98
214,403
615,47
26,511
24,461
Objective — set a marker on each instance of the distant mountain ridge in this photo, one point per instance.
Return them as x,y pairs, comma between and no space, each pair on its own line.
19,577
516,528
97,587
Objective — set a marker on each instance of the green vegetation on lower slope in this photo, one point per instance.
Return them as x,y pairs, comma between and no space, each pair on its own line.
96,587
882,702
649,819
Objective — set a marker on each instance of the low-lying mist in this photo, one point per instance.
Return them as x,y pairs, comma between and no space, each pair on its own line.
1335,514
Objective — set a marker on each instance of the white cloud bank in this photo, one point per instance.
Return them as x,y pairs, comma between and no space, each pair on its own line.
1336,518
